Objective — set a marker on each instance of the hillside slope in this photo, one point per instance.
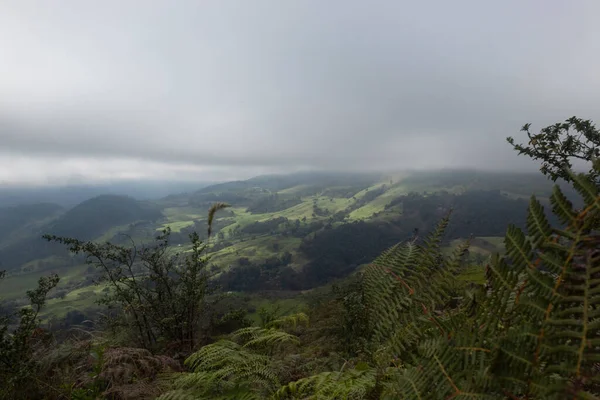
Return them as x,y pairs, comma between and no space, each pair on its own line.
93,217
287,232
25,217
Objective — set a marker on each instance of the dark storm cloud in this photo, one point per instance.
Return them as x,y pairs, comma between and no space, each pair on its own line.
252,86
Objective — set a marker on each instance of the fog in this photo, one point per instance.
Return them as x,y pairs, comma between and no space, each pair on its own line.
216,90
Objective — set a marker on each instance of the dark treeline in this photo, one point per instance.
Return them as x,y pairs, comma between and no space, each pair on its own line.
336,251
474,213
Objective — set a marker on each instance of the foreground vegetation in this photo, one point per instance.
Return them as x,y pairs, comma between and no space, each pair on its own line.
407,325
532,331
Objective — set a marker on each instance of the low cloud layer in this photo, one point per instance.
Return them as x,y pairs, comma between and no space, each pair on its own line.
228,89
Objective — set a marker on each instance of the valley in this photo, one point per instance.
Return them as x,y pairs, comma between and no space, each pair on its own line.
281,235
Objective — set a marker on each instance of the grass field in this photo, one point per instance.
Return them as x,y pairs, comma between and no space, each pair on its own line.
379,203
176,226
497,241
256,249
473,274
176,214
78,299
294,189
109,234
481,246
15,286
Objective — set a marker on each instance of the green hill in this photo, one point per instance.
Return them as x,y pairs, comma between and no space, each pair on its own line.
94,217
22,217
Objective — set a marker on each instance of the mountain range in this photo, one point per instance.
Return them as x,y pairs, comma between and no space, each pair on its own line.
281,232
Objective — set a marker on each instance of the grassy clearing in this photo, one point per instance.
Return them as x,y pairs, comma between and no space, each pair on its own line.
305,209
243,218
15,286
479,250
176,226
294,189
359,195
109,234
299,211
426,187
473,274
484,245
256,250
175,214
379,203
364,212
497,241
42,264
78,299
334,204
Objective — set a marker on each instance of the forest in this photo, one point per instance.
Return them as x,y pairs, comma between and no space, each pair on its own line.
452,292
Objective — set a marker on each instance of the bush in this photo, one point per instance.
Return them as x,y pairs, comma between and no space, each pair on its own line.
20,346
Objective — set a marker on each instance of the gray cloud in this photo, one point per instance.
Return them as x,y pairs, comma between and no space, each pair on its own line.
232,88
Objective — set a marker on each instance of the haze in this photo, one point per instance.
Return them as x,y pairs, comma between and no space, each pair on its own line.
214,90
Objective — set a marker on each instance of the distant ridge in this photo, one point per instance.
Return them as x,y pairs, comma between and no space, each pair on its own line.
71,195
93,217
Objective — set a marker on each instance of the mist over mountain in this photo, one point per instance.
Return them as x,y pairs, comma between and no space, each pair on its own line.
71,195
206,91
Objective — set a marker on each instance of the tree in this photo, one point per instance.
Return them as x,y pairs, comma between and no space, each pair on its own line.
242,366
164,297
18,364
559,144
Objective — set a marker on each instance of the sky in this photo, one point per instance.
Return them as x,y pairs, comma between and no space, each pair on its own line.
92,91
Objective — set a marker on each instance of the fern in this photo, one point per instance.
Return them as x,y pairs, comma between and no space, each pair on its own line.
532,332
224,369
405,286
240,368
265,338
552,351
292,321
535,329
348,384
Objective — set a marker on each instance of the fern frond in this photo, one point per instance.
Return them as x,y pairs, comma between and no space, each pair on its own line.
445,370
292,321
347,384
588,190
211,214
538,227
240,394
260,337
179,395
562,207
407,282
434,239
226,367
551,353
518,248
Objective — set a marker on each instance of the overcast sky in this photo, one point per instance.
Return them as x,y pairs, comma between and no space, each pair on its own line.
95,90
